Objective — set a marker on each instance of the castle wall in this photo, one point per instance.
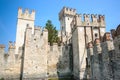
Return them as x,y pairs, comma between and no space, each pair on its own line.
59,61
75,47
35,55
2,51
116,62
10,63
104,58
42,60
79,50
53,58
82,50
106,47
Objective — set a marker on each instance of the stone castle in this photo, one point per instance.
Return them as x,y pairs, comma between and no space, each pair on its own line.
86,51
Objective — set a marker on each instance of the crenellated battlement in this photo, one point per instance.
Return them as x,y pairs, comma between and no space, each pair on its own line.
101,20
89,20
101,46
86,17
37,28
78,19
2,46
67,11
11,45
106,37
27,15
54,47
102,55
38,32
109,40
8,56
115,33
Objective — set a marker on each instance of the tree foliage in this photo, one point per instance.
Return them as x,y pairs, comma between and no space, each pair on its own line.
52,33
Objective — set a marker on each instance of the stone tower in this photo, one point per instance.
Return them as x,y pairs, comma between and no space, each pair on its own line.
84,31
80,32
24,19
66,16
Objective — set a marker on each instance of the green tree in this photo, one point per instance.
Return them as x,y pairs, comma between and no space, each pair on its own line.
52,33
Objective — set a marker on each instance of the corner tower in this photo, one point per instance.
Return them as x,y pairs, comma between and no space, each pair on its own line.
24,19
66,16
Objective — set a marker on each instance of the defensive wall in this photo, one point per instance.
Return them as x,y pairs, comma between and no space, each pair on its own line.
103,57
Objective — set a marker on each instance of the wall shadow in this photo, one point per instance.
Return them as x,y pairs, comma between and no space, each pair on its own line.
65,63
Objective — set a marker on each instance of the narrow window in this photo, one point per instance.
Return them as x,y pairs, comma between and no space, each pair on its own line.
96,35
27,25
68,18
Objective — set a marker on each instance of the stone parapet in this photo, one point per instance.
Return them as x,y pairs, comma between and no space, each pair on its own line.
26,15
106,56
67,11
2,46
89,20
11,45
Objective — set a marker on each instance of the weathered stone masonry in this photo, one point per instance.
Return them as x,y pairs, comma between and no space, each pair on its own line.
40,60
31,57
103,57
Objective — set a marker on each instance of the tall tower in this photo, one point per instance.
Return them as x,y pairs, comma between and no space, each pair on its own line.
66,16
24,19
84,31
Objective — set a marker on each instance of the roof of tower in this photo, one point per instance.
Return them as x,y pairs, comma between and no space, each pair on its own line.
67,11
